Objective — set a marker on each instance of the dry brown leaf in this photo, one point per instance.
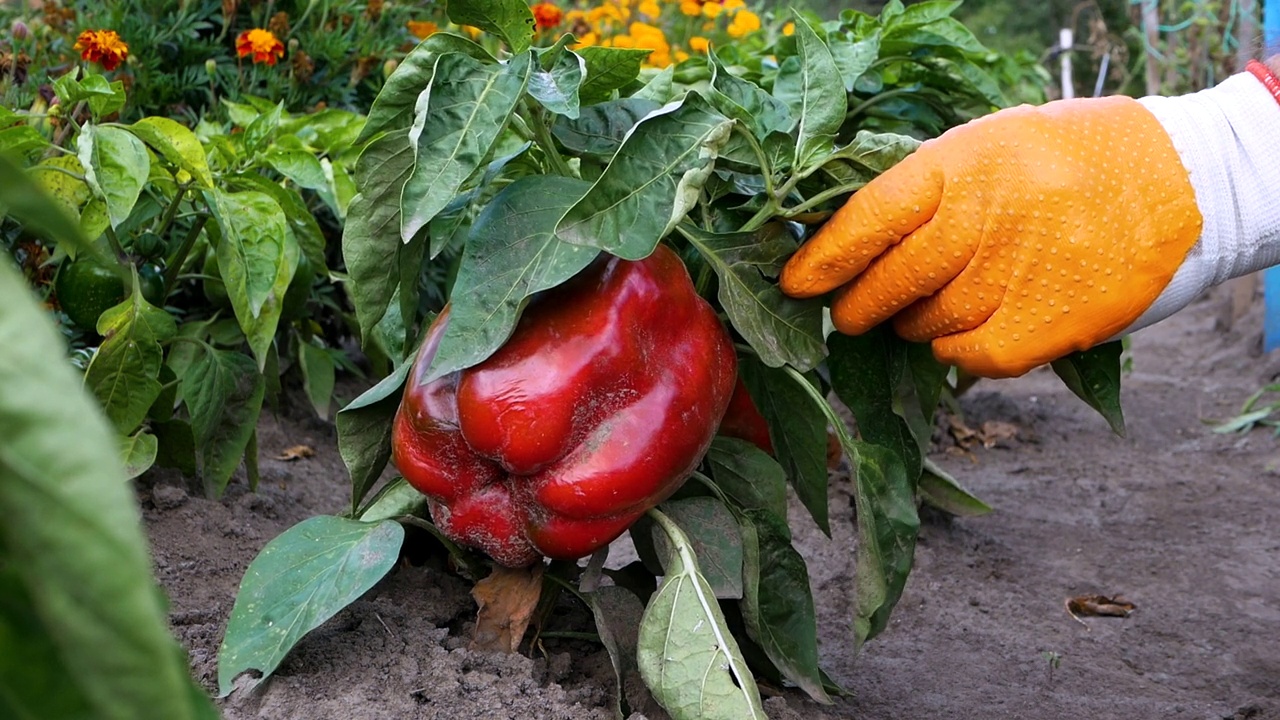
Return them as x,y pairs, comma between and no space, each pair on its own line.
507,599
993,431
297,452
991,434
1099,606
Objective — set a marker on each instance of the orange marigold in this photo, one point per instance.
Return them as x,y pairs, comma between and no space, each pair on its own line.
263,45
103,47
547,15
422,29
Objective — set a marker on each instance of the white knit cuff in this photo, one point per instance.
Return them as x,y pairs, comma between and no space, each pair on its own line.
1228,137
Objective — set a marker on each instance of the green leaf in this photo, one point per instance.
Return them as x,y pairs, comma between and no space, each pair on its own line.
556,88
299,166
138,452
176,144
102,96
865,372
510,20
687,656
258,133
257,257
510,255
311,239
371,236
660,88
22,139
116,167
69,192
364,432
223,391
1094,376
939,489
923,13
74,569
23,199
947,33
177,446
713,536
748,477
853,58
747,102
393,108
318,376
124,372
301,579
599,129
874,152
456,125
608,69
885,498
396,499
652,182
919,392
811,86
777,604
798,431
783,330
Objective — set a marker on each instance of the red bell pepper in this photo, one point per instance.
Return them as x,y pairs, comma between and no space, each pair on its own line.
599,406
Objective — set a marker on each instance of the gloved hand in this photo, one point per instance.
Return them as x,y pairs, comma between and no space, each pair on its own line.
1036,231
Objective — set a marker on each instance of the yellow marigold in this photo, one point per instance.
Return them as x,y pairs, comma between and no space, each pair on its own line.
744,23
605,13
588,40
697,43
263,45
711,9
422,29
547,15
681,56
624,41
733,5
691,8
789,29
647,36
658,59
472,30
651,8
103,47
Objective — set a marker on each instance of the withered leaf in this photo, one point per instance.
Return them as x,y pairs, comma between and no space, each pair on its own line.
297,452
1099,606
507,599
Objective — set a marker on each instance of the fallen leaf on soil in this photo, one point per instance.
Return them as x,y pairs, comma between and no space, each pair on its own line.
1099,606
507,599
297,452
991,434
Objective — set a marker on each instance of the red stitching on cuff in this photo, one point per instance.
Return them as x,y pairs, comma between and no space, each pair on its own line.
1264,74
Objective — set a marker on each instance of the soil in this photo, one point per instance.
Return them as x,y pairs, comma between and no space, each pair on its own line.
1178,520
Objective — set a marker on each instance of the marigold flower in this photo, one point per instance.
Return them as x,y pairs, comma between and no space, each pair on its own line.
692,8
681,56
697,43
547,15
422,29
711,9
279,24
744,23
103,47
651,8
733,5
789,29
263,45
588,40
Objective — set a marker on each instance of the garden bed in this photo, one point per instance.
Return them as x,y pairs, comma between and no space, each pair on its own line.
1180,521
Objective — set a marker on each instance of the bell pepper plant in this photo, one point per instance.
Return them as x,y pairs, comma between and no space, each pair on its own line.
572,389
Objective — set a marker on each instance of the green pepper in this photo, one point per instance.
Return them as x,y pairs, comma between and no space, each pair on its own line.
86,288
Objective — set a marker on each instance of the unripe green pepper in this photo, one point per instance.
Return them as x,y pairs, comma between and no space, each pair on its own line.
602,402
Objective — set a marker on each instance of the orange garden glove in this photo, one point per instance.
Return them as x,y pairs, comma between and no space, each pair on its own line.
1036,231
